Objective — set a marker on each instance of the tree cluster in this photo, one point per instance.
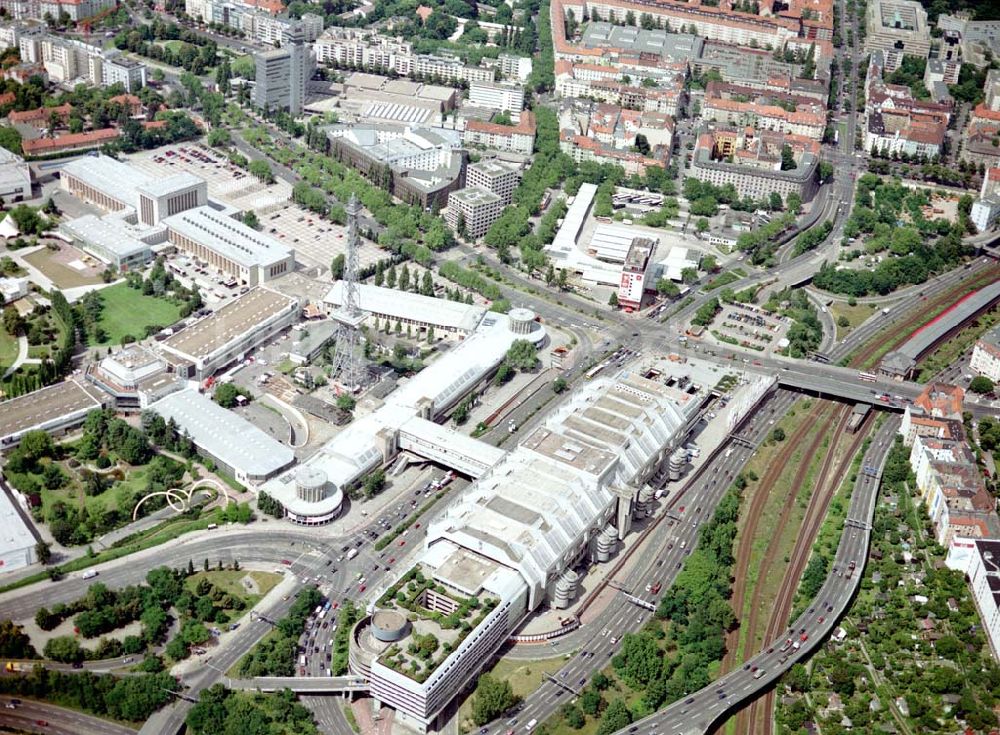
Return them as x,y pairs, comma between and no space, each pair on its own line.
275,654
223,711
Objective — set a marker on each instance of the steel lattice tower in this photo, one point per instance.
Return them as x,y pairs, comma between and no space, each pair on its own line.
348,364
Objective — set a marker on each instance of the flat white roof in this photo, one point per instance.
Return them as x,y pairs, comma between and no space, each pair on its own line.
229,237
223,434
109,176
611,242
110,235
14,533
406,305
170,184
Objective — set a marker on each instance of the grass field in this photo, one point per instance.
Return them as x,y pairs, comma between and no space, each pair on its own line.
8,350
72,494
856,316
524,677
174,46
231,583
62,275
128,311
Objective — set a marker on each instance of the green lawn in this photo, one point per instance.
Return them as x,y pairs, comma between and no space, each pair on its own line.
524,677
128,311
8,350
174,46
72,494
231,583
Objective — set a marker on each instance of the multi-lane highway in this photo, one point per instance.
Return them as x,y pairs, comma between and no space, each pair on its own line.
699,711
42,717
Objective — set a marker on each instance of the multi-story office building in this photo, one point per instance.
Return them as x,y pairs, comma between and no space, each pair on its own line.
752,162
416,164
472,210
282,74
495,176
897,28
507,97
518,138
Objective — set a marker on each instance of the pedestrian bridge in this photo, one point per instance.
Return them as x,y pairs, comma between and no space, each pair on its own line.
303,684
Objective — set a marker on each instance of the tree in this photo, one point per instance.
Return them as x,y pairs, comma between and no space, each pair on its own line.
250,219
346,402
666,287
493,697
226,394
642,144
64,649
787,158
262,170
374,482
616,717
981,384
824,171
558,385
522,355
13,322
337,267
43,550
613,299
14,643
701,225
574,716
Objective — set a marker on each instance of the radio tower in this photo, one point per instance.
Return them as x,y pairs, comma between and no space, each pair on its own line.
348,368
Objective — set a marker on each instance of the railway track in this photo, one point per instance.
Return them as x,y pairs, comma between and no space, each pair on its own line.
758,716
743,552
900,331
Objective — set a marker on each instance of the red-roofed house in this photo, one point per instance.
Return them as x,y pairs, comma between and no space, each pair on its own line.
70,142
40,117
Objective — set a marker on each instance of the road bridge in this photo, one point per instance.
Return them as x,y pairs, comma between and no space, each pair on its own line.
303,684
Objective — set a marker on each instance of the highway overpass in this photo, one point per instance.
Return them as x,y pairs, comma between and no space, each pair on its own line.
303,684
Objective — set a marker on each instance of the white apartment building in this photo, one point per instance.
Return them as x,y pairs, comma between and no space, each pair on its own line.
515,67
77,10
449,68
505,97
364,49
519,138
986,355
67,59
473,210
979,560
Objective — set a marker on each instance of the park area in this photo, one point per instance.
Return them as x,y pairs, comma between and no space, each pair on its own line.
129,312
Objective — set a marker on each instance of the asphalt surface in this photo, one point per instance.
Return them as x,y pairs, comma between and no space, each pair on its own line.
42,717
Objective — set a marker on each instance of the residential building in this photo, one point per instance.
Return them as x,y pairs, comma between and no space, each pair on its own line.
519,138
505,97
225,243
68,59
448,69
416,164
986,355
355,48
896,122
282,74
88,141
77,10
738,105
517,68
609,134
979,561
986,209
753,162
897,28
15,177
606,83
495,176
472,210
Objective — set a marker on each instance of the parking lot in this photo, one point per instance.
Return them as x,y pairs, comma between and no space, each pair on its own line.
316,241
750,326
